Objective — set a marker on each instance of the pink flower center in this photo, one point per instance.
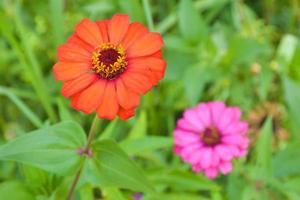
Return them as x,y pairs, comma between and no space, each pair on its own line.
210,136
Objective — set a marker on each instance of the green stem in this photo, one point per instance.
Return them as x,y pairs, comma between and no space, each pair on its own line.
149,18
92,133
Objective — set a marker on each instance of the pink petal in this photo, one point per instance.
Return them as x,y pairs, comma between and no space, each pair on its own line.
188,152
234,139
229,115
187,125
211,173
204,114
215,158
225,167
216,109
177,149
242,153
196,157
223,152
233,149
197,168
206,157
192,116
236,128
183,138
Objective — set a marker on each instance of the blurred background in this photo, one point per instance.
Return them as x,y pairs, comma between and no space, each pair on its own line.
246,53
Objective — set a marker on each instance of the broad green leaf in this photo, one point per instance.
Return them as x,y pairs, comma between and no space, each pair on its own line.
287,162
52,148
175,196
86,192
183,181
263,152
14,190
146,144
191,25
113,193
111,167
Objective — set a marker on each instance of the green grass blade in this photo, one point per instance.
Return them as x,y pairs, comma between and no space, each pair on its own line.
22,106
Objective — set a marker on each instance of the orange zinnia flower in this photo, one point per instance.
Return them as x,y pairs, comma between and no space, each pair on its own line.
107,65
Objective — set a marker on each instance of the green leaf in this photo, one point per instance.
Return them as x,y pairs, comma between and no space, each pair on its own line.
193,84
113,193
292,98
133,8
14,190
146,144
183,181
191,24
244,50
263,152
174,196
111,167
56,8
32,117
286,49
287,162
52,148
86,192
140,127
64,114
109,130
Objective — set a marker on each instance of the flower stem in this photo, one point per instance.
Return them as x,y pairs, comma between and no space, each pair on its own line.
86,150
149,18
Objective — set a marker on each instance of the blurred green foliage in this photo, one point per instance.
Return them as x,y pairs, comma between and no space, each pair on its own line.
246,53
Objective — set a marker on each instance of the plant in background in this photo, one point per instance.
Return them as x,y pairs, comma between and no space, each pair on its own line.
244,53
209,136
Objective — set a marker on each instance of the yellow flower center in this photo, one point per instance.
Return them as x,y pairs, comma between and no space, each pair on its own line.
109,61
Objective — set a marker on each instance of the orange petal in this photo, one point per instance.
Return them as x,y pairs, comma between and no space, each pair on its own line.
148,44
109,106
145,72
74,100
153,63
135,31
157,54
76,40
103,26
118,27
71,87
91,97
136,82
89,32
70,52
67,71
125,114
126,98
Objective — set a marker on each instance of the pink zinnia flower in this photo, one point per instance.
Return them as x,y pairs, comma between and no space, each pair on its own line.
209,136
